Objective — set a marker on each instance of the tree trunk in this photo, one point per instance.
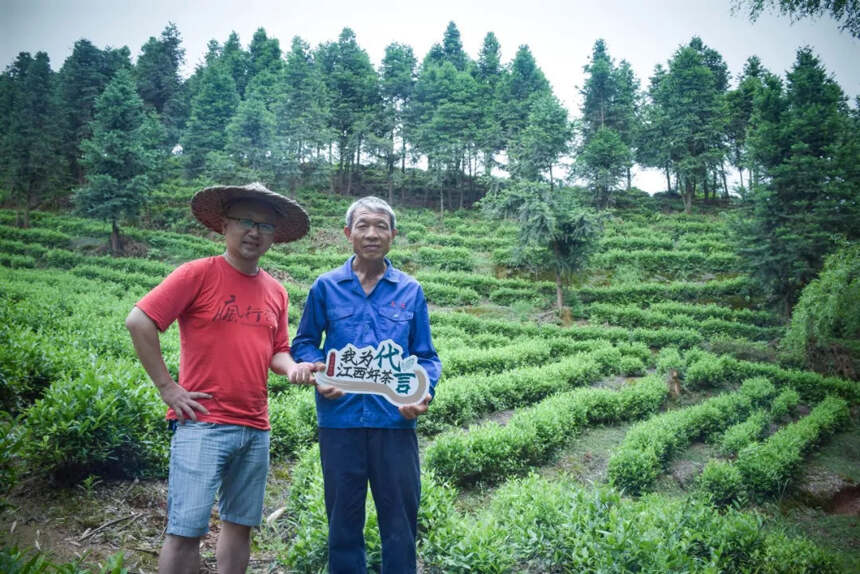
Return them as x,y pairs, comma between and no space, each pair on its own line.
551,187
559,292
629,178
442,203
689,192
741,176
725,181
668,179
115,240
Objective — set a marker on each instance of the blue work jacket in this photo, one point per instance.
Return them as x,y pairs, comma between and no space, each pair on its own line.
338,306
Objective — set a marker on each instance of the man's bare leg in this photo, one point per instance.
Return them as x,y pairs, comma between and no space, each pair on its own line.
179,555
234,548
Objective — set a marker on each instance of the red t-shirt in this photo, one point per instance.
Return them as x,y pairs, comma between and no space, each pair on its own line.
230,327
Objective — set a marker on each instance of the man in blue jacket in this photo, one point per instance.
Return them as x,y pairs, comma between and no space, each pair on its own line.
364,438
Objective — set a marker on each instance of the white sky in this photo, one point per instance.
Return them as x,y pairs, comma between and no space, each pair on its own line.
559,33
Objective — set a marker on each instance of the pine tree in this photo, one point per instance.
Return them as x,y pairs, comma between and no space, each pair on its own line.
804,140
739,104
693,106
33,162
301,116
545,138
352,85
525,81
397,82
490,76
157,68
115,158
608,124
556,232
251,136
264,55
211,110
452,46
82,78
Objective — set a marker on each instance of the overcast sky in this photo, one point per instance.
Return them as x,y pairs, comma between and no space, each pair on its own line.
560,33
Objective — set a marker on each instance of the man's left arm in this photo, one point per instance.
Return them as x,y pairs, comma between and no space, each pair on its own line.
421,345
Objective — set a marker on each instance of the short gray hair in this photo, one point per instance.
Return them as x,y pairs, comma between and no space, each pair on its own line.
374,204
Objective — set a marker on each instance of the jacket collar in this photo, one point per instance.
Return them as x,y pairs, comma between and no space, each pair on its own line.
345,272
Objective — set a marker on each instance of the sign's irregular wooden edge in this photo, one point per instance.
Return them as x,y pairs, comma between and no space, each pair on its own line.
371,388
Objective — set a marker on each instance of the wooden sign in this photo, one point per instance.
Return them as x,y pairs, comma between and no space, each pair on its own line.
377,371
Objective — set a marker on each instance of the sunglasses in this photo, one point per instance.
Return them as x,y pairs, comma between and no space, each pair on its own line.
247,224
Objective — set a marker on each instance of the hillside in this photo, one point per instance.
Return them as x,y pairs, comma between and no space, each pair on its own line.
654,430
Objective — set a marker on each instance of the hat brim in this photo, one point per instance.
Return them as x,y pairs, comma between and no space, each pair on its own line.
208,206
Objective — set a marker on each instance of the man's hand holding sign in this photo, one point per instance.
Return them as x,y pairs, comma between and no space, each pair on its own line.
379,371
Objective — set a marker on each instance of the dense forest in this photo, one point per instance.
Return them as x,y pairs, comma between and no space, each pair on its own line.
106,135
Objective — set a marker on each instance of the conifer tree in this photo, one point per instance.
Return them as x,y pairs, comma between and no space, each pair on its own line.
211,110
115,158
805,143
556,232
490,76
397,82
82,78
33,162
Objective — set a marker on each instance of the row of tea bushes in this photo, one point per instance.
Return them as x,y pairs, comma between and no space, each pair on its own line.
469,397
648,446
764,469
489,453
692,291
707,370
538,525
753,428
671,262
633,316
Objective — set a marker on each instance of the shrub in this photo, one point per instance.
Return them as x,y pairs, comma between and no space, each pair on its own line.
739,435
107,421
631,366
784,404
490,452
669,359
827,314
655,440
293,418
440,294
768,466
722,482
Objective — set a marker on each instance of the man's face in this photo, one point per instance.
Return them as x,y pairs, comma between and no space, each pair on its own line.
370,235
244,241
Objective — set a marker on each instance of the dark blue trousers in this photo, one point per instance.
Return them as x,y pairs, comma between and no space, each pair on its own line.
387,459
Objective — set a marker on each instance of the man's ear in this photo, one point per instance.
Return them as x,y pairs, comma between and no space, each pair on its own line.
347,231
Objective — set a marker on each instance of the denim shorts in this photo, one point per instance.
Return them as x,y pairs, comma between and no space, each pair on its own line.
210,458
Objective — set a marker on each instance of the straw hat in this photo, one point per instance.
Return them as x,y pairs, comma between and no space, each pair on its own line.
209,205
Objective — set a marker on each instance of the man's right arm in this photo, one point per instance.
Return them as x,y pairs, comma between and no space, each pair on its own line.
144,335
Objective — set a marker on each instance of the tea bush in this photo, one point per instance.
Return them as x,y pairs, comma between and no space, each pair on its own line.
650,444
107,421
293,418
768,466
449,295
708,370
489,452
743,433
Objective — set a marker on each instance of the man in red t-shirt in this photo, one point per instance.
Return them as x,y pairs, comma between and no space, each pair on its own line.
233,328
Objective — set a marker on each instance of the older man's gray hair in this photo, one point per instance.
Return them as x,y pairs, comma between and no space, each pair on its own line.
371,203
